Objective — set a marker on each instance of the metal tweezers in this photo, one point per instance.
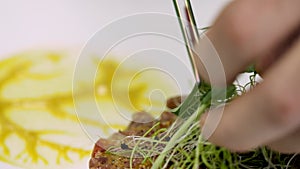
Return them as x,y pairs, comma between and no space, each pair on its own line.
189,30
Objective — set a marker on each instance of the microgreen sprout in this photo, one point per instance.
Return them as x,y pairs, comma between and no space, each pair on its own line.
182,145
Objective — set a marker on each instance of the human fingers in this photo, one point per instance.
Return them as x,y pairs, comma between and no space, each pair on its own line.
289,143
249,31
266,114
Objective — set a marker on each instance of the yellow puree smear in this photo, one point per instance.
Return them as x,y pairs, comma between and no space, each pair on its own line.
39,127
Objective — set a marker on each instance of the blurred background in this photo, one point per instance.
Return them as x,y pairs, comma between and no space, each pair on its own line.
48,35
57,23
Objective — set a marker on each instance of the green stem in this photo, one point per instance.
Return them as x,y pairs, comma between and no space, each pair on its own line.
136,146
196,164
184,127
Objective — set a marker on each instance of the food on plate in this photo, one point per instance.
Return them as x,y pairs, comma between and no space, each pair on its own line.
175,141
141,123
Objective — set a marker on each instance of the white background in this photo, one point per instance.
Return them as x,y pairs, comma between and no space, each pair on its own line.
59,24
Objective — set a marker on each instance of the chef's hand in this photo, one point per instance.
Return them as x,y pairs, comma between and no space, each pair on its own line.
266,33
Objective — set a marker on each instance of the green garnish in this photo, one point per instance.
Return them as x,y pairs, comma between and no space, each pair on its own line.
186,147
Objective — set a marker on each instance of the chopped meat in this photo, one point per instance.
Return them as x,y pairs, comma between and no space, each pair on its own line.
142,122
104,160
166,119
174,102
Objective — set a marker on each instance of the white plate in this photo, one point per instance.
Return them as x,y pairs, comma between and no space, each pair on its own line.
67,24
